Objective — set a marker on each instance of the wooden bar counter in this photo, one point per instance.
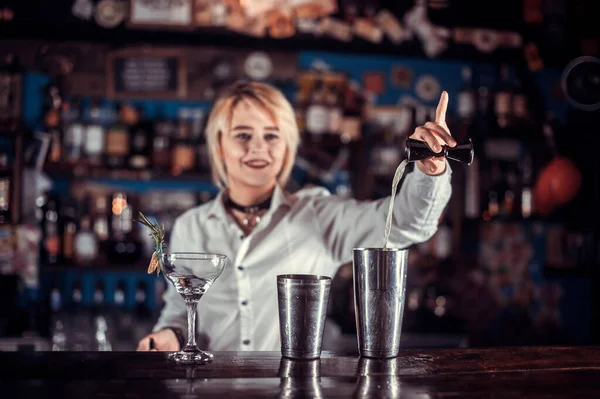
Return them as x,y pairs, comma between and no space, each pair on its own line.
540,372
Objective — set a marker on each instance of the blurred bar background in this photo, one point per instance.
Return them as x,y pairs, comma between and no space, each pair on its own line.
103,105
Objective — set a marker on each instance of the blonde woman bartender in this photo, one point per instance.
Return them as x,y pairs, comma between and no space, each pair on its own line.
264,231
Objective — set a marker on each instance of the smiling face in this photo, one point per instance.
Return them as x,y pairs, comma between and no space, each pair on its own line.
252,148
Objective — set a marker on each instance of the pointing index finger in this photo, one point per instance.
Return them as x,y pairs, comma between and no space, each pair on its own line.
440,112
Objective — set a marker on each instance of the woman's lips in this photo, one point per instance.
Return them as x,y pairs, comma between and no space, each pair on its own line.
257,164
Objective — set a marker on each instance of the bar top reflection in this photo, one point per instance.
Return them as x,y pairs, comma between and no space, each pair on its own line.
551,372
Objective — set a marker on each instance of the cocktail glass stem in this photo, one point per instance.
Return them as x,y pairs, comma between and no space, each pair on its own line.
191,320
190,353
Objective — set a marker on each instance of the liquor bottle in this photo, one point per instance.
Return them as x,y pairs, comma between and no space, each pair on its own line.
117,140
332,99
509,199
520,106
11,85
6,187
58,331
526,200
94,139
74,130
99,295
317,113
69,230
122,247
164,131
467,105
141,142
122,216
52,121
51,243
99,223
76,295
120,295
472,193
100,217
387,153
183,155
86,242
352,120
503,99
495,192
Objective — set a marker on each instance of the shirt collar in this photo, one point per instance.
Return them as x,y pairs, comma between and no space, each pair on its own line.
217,208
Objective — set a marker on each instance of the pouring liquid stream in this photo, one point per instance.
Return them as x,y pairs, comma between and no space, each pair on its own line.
388,221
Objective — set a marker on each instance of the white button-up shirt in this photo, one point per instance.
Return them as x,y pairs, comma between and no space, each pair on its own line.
309,232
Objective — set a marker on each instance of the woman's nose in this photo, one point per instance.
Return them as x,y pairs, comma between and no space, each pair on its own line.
257,144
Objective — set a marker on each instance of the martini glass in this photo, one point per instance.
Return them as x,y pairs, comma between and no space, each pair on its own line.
192,274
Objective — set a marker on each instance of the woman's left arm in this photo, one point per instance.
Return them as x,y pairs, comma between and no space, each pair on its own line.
423,196
348,224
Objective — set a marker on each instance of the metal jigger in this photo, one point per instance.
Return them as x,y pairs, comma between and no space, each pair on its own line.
417,150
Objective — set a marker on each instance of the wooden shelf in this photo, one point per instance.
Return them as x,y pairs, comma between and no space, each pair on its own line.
138,267
87,172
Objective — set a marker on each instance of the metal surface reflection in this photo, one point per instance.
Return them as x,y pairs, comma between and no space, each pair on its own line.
300,378
379,378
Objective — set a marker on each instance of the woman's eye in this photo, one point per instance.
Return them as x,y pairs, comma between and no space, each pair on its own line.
271,137
243,136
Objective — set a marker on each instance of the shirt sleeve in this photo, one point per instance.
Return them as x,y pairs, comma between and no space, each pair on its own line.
348,224
174,312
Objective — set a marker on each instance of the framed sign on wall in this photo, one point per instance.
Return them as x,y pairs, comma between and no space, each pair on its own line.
147,73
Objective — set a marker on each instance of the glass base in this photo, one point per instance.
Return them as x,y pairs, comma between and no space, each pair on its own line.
191,357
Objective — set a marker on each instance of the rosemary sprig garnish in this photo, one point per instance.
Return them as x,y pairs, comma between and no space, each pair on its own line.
157,232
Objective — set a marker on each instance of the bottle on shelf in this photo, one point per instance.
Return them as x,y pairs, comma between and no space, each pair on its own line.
183,153
86,242
77,327
117,139
69,231
164,132
352,108
141,142
102,343
466,106
94,138
120,295
74,130
317,113
123,248
51,240
526,196
53,121
57,321
99,222
472,190
100,216
335,109
6,189
11,85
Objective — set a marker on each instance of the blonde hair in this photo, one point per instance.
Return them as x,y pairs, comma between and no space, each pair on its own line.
263,96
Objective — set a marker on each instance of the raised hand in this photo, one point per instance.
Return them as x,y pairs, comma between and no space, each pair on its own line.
435,134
